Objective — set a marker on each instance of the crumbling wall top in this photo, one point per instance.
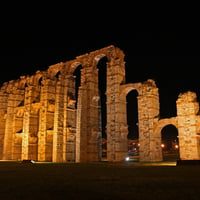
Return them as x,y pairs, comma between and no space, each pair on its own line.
187,97
66,68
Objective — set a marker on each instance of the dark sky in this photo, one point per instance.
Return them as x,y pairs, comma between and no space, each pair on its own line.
172,59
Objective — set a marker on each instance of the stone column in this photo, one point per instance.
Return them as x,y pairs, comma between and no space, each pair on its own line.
187,108
42,134
58,122
18,125
9,134
26,122
81,126
7,151
3,110
69,127
93,104
148,111
117,130
65,119
88,130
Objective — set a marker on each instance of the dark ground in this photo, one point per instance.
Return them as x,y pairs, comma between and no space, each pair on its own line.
101,180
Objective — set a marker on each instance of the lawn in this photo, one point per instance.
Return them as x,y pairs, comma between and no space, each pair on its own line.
101,180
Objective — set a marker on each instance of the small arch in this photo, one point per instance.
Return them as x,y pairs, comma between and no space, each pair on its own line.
126,88
100,57
40,81
170,142
21,103
25,85
21,84
57,75
162,123
74,67
19,131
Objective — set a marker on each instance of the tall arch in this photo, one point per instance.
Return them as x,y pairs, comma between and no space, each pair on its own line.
89,129
132,123
148,115
132,114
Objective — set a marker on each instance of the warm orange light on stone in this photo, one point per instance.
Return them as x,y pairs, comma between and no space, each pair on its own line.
39,120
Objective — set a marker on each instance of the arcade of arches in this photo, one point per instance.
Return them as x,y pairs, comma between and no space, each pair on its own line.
43,117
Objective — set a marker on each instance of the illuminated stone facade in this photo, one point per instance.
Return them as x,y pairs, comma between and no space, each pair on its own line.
41,120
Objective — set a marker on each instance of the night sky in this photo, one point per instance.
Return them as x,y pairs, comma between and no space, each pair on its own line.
172,59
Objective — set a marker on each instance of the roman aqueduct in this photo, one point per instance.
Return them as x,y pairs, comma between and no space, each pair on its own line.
42,118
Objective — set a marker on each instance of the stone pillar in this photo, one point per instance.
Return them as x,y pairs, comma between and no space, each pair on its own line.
3,110
81,126
18,125
65,97
187,108
26,122
93,117
148,111
117,130
9,135
43,154
88,127
69,126
58,122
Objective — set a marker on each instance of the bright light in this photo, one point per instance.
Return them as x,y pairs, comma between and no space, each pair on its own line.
162,145
176,146
127,158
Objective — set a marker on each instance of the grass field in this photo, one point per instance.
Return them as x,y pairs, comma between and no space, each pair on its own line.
101,180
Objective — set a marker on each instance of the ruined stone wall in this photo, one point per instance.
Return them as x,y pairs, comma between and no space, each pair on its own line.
187,110
39,119
3,111
148,116
148,112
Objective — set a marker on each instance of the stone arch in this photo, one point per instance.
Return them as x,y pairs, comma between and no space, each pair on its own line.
37,78
98,57
112,53
20,83
40,81
54,69
125,89
71,66
162,123
57,75
157,132
148,114
101,68
89,89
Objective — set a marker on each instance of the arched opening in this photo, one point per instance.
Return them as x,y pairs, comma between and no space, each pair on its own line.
40,81
77,74
170,143
57,75
132,122
102,75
